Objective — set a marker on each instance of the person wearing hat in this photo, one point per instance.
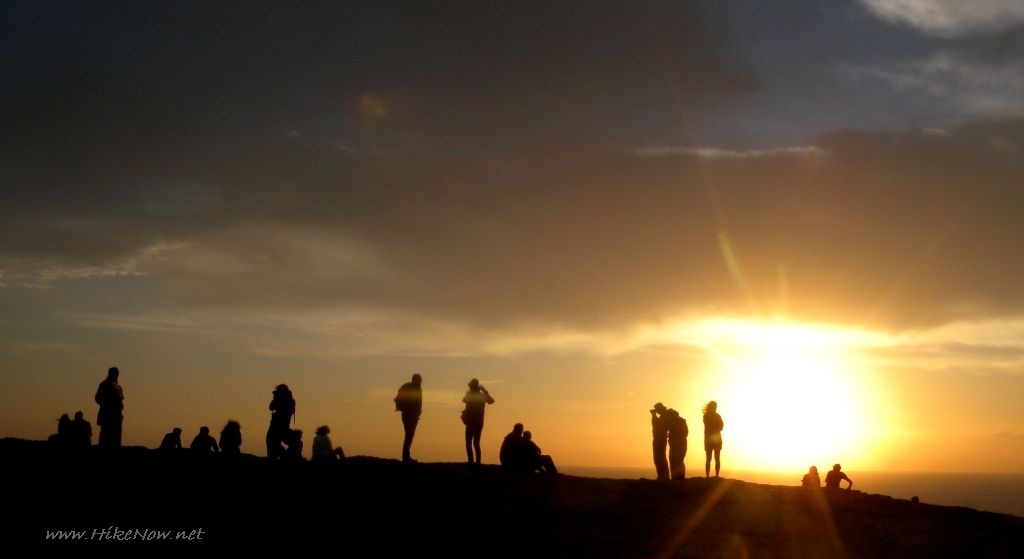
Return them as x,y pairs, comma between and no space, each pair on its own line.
476,400
659,430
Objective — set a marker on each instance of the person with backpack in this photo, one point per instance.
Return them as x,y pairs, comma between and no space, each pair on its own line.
409,401
677,433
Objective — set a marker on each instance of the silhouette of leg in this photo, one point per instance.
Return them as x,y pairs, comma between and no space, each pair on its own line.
476,447
718,461
469,444
660,464
675,458
410,432
546,464
707,463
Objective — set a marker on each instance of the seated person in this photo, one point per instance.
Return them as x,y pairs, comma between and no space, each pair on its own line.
171,440
833,478
511,453
534,459
204,442
811,478
323,450
294,451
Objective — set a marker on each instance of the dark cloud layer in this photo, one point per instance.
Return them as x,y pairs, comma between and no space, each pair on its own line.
466,163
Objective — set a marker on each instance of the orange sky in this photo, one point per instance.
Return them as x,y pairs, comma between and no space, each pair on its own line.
810,215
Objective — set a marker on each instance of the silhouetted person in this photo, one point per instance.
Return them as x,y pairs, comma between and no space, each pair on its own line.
713,426
231,438
204,442
63,435
811,478
282,408
409,401
110,397
293,453
476,400
323,449
677,432
833,478
659,432
512,455
172,440
534,459
81,431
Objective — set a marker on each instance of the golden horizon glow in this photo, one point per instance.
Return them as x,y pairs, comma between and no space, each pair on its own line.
792,395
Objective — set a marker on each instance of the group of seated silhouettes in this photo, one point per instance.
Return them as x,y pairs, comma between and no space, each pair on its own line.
203,442
832,479
72,433
519,453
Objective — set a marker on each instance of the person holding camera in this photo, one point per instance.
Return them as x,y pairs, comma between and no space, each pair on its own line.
476,400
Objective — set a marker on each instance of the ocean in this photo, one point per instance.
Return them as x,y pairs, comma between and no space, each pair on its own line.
989,492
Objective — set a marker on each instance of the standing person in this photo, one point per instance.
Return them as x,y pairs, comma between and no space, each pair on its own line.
677,432
282,408
833,478
476,400
110,397
713,426
409,401
659,432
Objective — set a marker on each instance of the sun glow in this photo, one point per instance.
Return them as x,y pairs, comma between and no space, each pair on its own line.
791,395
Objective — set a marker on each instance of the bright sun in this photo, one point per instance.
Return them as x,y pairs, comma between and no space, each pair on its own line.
791,395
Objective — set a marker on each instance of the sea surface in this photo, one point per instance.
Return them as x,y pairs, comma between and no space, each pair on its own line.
989,492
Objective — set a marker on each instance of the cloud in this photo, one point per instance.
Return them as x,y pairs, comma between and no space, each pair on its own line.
960,84
498,205
950,18
718,153
889,230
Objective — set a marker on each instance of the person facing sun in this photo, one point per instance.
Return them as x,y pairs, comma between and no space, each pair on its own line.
713,426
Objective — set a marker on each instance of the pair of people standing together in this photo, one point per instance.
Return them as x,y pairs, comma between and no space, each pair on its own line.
669,429
409,402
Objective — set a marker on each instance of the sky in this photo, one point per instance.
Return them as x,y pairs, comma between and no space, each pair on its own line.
807,211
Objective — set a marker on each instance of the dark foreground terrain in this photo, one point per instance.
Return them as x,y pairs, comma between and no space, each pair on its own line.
369,507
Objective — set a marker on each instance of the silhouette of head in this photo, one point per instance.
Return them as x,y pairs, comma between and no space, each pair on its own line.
113,373
176,430
79,415
232,425
659,407
474,384
282,388
204,430
527,435
517,428
417,379
323,430
813,470
836,468
711,407
64,418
